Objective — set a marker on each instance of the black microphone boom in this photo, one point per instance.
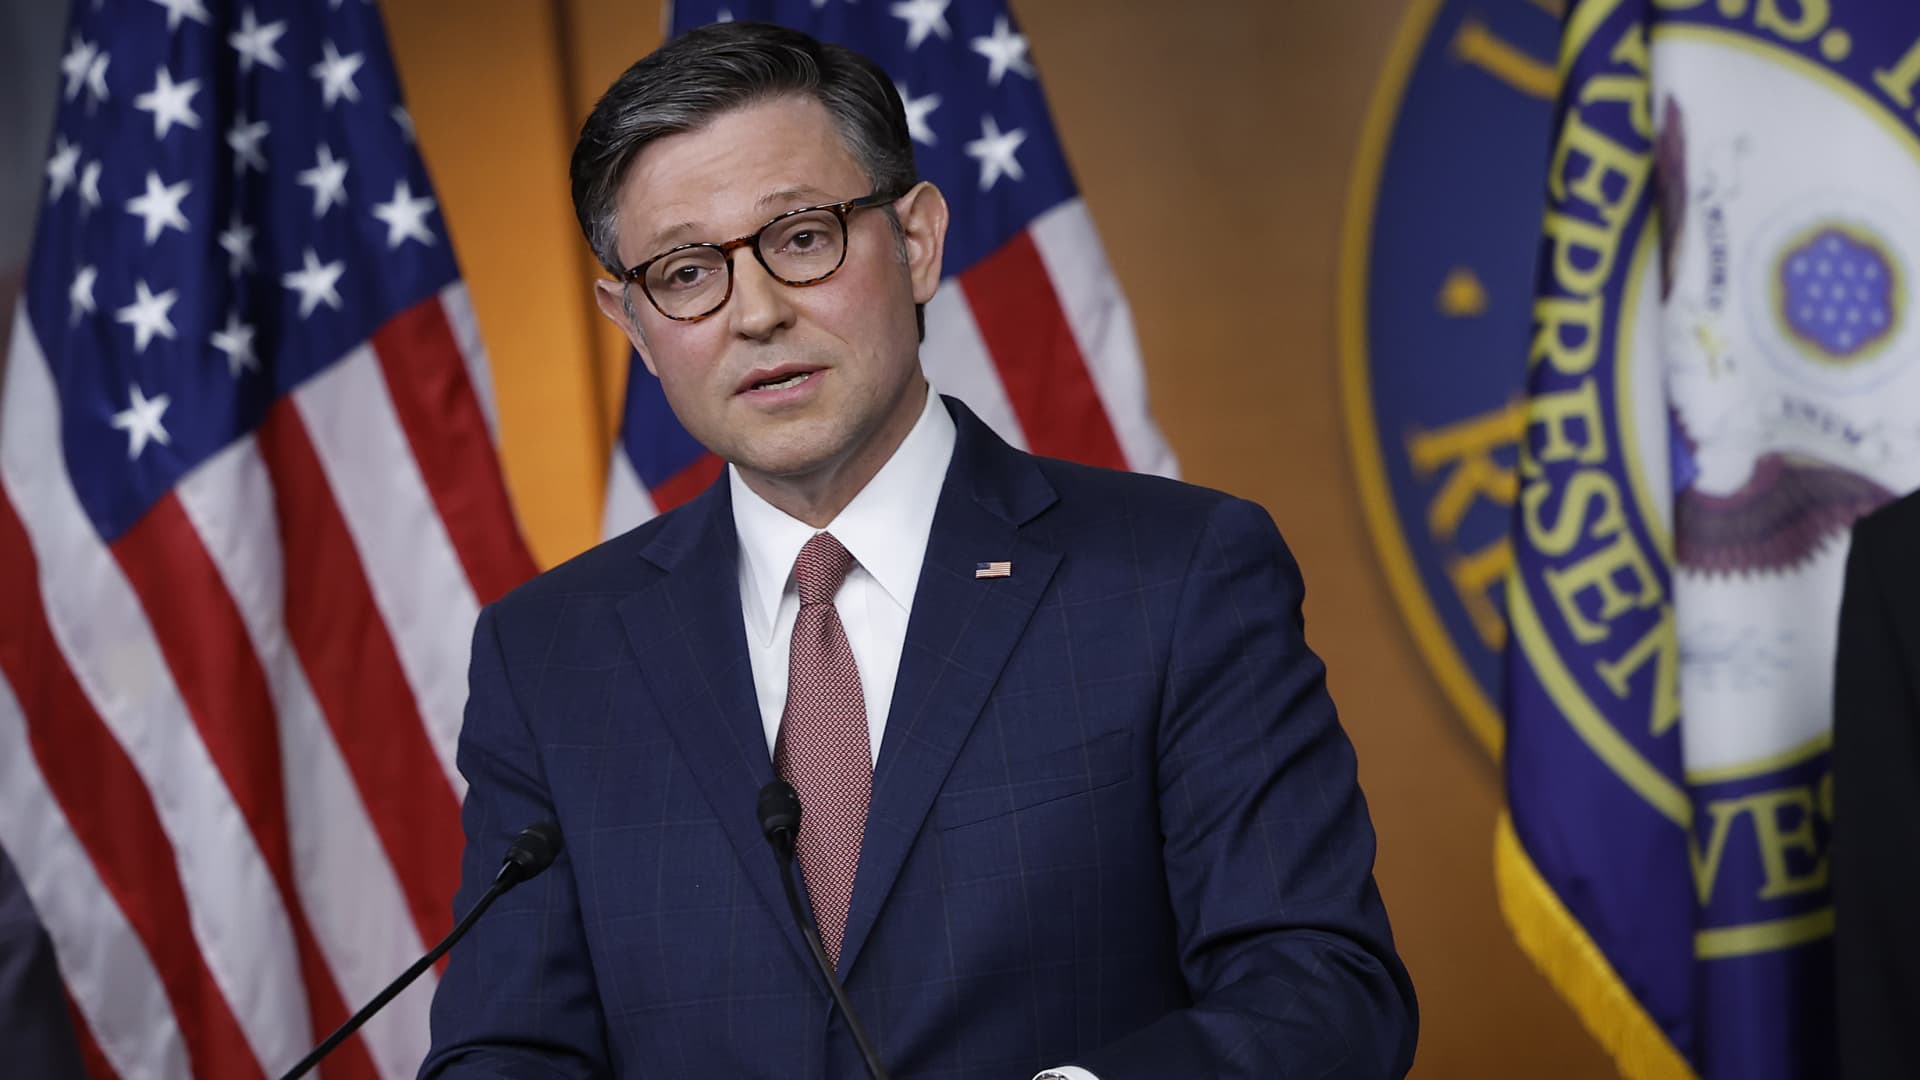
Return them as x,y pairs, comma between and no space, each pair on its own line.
779,808
531,852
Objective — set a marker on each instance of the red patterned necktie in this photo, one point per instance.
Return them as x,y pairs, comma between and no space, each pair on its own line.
822,749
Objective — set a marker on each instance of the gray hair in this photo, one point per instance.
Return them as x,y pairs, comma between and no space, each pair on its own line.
687,82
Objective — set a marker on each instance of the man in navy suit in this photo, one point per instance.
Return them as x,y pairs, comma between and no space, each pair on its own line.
1076,800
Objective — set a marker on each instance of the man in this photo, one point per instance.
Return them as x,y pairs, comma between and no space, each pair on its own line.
1876,780
1075,797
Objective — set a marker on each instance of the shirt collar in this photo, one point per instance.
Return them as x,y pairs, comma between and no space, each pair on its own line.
885,527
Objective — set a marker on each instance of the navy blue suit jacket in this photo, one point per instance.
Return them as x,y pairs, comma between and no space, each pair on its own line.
1115,821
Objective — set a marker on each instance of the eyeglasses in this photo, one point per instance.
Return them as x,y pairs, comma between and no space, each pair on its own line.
800,247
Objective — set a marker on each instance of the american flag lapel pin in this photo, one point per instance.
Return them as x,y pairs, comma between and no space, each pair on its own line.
992,569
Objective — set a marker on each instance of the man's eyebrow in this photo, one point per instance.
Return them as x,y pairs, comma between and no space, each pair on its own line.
787,195
669,237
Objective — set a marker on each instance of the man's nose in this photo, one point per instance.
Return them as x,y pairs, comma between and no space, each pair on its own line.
761,304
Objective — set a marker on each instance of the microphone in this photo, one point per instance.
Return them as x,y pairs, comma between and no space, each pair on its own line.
531,852
779,808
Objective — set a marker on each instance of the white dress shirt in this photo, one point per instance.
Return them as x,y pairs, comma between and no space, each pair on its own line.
885,529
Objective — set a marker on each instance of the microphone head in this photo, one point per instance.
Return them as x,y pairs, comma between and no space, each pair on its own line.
532,851
779,808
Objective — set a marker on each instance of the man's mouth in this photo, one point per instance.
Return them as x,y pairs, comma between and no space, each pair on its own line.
784,381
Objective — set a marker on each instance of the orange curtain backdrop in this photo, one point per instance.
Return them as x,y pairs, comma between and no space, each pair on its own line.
1217,136
497,89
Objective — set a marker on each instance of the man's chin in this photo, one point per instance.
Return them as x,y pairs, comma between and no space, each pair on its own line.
790,464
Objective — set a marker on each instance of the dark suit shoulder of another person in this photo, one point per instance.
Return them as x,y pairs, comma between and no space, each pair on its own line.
1891,538
35,1028
1876,767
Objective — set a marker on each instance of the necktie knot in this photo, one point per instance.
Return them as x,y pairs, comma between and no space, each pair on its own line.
821,567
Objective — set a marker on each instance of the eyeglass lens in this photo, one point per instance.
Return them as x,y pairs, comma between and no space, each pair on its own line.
797,250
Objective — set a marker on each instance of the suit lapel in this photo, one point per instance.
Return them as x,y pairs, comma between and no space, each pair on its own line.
691,648
959,637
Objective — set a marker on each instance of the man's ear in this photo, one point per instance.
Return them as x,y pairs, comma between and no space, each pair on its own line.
923,226
611,298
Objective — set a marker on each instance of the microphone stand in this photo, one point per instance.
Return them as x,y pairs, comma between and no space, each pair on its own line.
525,859
780,821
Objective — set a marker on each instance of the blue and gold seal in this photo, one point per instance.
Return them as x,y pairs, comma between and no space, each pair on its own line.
1443,217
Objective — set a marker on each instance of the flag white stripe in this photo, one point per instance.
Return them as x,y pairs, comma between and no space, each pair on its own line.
102,961
957,362
417,580
458,305
96,618
1070,248
628,503
350,892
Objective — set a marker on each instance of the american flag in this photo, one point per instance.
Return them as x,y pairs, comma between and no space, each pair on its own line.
1029,327
249,509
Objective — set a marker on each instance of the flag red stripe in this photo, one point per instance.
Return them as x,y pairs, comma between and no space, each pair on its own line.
1033,348
348,655
111,812
427,379
682,486
204,639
